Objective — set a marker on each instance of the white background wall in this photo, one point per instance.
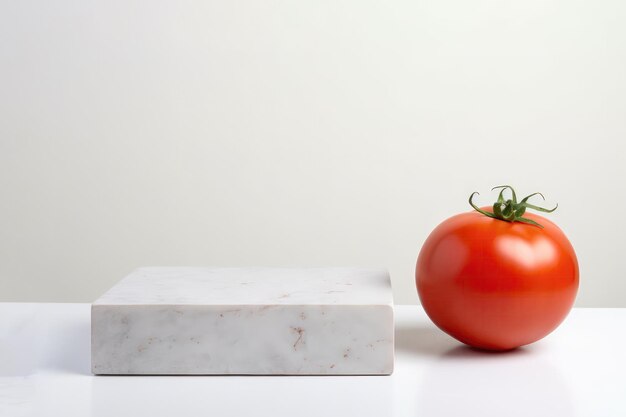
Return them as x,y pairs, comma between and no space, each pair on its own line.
307,132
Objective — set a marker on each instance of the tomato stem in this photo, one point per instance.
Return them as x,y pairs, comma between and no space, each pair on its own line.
510,210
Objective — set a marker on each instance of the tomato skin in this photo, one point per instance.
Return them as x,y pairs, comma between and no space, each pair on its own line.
494,284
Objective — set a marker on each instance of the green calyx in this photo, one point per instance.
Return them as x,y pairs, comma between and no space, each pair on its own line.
510,210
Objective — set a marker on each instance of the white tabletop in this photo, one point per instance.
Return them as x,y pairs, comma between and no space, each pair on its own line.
579,370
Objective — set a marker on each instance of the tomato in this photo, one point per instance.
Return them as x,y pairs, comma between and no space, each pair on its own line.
496,284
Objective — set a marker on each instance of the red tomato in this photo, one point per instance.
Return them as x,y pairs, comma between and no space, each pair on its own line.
495,284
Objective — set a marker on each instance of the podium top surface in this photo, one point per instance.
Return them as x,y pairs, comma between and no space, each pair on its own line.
251,286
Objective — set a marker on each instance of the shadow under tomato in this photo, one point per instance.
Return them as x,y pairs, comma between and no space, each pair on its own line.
428,340
423,340
465,351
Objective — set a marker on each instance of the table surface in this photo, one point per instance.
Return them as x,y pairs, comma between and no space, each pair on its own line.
578,370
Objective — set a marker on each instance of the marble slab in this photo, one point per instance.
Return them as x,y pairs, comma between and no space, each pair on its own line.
257,321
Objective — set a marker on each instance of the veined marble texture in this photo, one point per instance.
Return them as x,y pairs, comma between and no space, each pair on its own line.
263,321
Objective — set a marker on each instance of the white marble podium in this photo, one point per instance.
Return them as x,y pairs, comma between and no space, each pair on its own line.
257,321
